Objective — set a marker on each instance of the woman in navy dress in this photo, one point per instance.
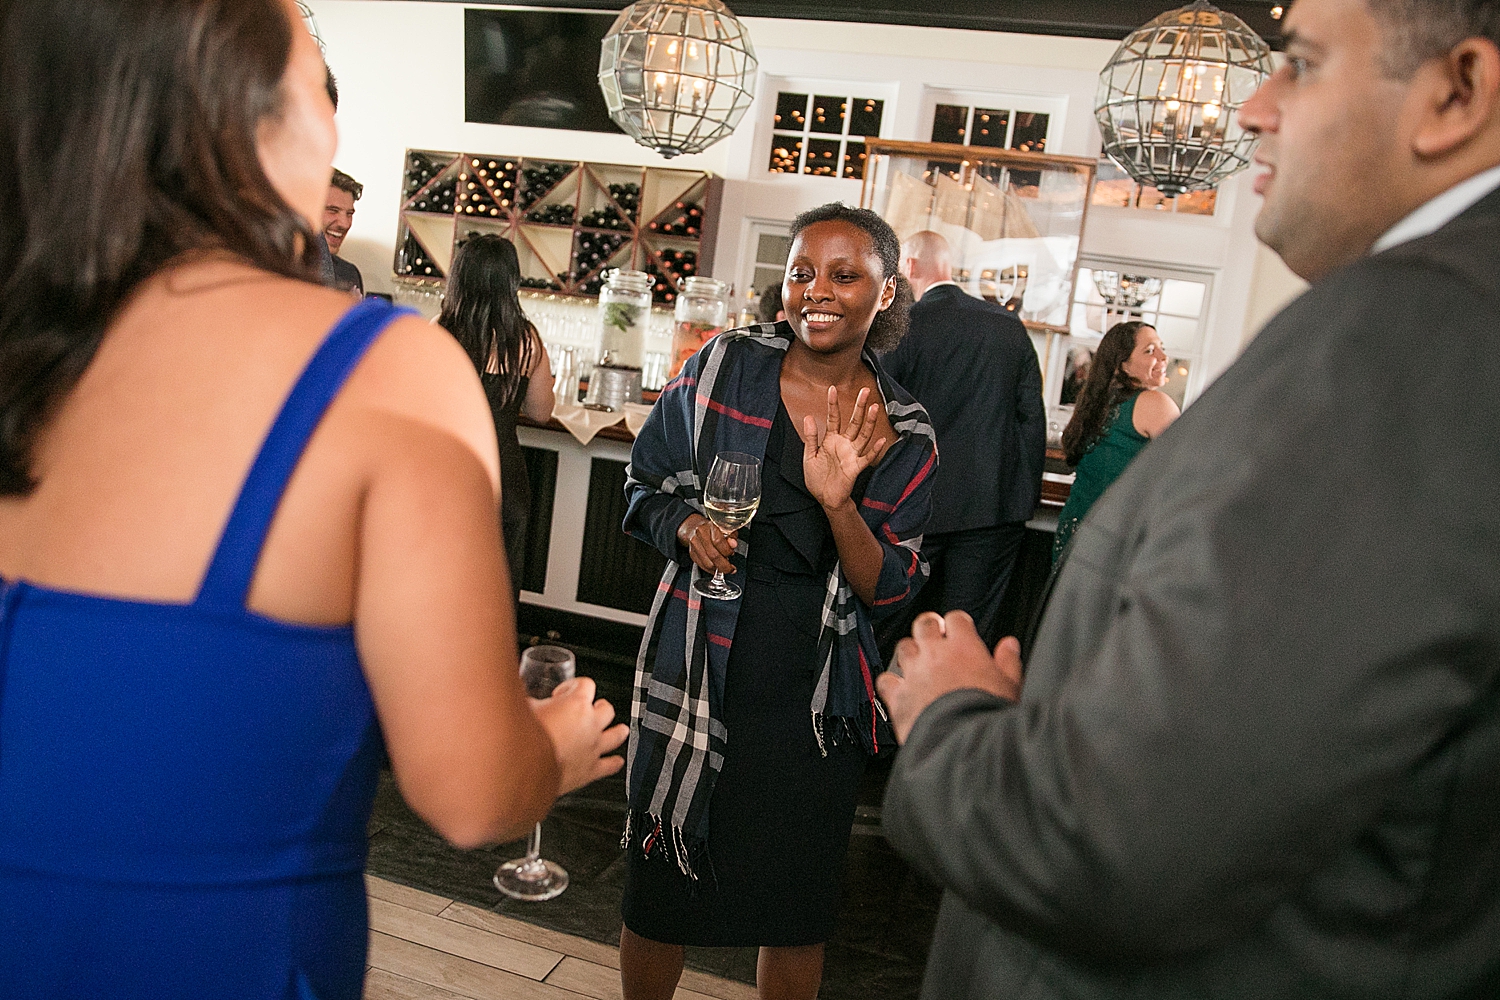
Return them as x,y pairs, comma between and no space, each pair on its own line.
245,530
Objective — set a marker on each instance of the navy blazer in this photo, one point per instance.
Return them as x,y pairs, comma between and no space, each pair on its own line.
972,366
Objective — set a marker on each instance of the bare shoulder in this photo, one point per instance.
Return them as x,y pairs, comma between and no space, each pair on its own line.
414,371
417,371
414,367
416,361
1154,412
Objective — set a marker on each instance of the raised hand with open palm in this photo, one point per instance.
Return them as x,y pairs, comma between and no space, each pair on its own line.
832,460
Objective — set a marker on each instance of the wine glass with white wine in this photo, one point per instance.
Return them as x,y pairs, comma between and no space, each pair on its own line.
730,498
533,878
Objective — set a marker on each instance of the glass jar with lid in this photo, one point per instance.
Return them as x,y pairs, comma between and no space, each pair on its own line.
624,312
701,312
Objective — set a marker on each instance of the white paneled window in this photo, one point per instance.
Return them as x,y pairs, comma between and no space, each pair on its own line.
823,133
764,255
1026,123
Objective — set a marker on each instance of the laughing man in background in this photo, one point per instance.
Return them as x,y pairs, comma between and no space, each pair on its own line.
338,216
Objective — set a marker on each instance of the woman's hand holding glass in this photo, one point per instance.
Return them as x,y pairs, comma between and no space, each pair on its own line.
832,461
731,496
707,546
581,734
579,729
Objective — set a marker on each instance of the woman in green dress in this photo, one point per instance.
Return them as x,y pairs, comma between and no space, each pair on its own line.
1119,409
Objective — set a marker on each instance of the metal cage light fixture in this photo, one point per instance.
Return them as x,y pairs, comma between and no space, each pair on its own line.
1127,290
677,75
1168,96
312,24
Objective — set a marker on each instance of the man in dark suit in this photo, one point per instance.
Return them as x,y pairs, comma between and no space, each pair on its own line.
972,365
1257,751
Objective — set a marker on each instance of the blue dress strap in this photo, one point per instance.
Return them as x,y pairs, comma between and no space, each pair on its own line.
227,582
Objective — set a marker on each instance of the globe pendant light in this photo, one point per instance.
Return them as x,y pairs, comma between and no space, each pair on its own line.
1168,96
677,75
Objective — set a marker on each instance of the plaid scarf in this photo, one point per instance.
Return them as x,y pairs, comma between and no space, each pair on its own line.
725,400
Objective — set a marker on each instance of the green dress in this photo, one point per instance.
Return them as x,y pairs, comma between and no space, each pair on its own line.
1100,466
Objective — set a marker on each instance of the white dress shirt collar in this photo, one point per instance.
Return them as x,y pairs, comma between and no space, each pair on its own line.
1440,211
940,284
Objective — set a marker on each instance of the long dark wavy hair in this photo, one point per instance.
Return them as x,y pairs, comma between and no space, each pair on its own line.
482,309
890,324
127,140
1106,388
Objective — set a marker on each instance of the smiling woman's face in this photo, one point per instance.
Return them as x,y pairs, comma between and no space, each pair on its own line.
834,286
1147,364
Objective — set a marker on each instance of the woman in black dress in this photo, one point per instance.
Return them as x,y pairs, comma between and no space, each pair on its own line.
482,309
845,492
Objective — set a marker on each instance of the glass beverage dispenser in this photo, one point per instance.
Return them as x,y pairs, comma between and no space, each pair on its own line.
624,312
701,312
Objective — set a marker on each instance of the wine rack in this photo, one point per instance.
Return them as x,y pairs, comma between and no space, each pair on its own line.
570,221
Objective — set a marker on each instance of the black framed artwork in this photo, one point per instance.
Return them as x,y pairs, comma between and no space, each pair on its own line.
535,68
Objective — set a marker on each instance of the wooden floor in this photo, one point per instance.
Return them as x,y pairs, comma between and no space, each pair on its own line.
427,947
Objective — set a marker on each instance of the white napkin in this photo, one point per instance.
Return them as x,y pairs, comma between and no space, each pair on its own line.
583,423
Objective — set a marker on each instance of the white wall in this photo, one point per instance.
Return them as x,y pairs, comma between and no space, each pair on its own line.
1272,289
400,71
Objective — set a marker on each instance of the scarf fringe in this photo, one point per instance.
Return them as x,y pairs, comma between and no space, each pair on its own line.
689,854
837,730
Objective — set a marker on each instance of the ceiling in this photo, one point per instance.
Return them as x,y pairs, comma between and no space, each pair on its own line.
1083,18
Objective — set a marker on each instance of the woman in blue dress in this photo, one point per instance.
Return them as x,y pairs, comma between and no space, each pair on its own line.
245,530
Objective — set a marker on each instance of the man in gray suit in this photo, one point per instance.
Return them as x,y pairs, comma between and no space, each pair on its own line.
1257,751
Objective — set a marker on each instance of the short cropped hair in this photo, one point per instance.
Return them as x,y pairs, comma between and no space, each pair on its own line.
344,182
1418,30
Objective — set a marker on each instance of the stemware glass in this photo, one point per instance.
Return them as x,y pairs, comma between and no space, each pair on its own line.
533,878
730,498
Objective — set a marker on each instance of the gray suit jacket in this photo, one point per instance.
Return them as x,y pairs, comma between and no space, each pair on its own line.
1258,749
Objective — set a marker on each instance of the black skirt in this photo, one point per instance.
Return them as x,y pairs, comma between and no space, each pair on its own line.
781,812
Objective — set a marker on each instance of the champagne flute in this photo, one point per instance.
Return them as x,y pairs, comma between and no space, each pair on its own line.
533,878
730,498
